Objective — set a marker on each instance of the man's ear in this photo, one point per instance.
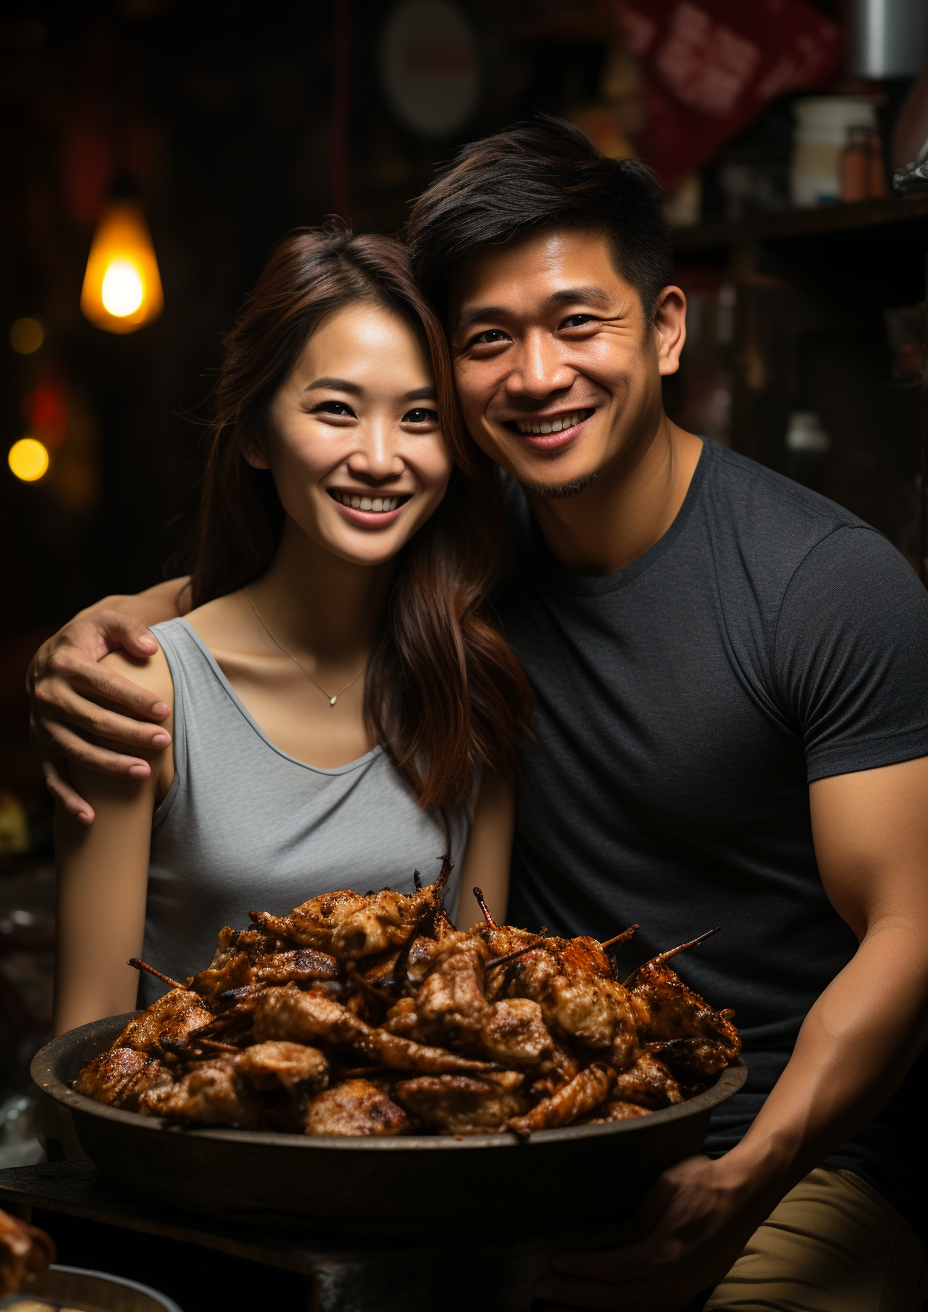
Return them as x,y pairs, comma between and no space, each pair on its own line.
670,327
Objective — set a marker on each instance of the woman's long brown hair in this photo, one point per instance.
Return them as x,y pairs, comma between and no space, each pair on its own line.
443,689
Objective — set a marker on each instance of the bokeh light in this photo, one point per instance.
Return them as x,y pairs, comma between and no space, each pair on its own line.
28,459
121,292
26,336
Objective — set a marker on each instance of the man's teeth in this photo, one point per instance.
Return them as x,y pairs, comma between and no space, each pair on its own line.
378,504
555,425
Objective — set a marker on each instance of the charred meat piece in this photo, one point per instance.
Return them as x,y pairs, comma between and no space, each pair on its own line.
120,1077
351,926
25,1252
354,1107
580,1096
666,1012
210,1093
312,1018
168,1023
514,1034
450,1003
295,965
235,973
618,1111
464,1104
279,1064
648,1083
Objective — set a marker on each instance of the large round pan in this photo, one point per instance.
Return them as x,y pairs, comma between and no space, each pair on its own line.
486,1182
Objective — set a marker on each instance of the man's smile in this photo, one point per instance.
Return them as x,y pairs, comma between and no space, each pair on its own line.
550,431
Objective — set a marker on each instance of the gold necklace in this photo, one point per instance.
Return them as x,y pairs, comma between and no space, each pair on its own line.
332,700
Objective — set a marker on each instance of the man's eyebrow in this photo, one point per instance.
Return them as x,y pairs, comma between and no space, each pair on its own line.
589,292
336,385
571,295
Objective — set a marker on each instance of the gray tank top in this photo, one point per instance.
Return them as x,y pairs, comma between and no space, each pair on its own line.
245,827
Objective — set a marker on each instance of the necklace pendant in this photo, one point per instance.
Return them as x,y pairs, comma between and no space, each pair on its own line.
333,700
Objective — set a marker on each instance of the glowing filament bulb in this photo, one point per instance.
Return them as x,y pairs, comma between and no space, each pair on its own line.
122,286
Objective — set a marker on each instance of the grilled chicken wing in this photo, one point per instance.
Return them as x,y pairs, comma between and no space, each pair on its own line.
648,1083
120,1077
25,1252
464,1104
354,1107
169,1022
580,1096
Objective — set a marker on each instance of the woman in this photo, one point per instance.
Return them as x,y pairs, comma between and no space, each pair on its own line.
336,690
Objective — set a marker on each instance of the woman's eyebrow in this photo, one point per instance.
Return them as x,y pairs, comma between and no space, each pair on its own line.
422,394
336,385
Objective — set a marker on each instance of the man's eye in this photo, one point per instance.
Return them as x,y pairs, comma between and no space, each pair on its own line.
577,321
333,408
420,416
491,337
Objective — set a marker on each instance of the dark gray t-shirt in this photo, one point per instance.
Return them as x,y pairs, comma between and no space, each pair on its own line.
683,706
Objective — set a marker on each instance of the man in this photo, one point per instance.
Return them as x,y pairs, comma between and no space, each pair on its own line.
732,729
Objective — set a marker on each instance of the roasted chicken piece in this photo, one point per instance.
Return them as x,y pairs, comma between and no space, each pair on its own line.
354,1107
279,1064
514,1034
167,1024
351,926
120,1077
210,1093
312,1018
618,1111
678,1026
25,1251
577,1098
464,1104
449,1006
648,1083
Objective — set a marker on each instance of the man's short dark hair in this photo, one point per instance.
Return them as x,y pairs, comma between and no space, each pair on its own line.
542,174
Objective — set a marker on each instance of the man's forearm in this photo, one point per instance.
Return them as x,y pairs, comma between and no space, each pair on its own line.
854,1048
165,601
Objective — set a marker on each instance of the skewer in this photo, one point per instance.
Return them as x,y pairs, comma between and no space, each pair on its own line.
447,865
665,956
365,985
511,956
482,903
620,938
143,965
214,1043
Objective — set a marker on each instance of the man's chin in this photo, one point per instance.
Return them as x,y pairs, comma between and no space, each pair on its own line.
559,491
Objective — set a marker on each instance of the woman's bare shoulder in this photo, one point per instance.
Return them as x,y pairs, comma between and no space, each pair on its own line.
219,622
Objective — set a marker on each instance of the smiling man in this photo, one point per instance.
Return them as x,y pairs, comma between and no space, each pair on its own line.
731,680
731,729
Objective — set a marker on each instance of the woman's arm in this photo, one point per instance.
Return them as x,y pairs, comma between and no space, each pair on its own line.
68,680
103,877
489,850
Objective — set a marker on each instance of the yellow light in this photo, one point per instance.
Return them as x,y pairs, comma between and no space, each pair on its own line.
28,459
121,292
26,336
122,286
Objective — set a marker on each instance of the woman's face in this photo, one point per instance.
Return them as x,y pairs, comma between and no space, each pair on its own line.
353,441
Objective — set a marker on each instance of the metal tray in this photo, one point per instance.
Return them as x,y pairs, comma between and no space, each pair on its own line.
90,1291
380,1187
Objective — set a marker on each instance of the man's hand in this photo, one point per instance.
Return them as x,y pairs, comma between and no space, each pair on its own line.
66,684
695,1220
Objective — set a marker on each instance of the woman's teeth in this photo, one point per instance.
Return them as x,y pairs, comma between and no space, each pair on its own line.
380,505
555,425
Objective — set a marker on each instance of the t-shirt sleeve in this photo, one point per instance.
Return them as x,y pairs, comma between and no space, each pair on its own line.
851,655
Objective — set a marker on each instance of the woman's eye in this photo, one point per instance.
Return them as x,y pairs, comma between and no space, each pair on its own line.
577,321
420,416
491,337
333,408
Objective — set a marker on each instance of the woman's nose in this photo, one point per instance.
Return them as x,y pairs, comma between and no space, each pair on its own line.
377,453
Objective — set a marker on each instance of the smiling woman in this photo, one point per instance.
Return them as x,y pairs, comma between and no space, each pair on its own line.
338,692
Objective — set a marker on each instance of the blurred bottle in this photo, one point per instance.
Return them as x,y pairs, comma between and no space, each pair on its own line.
855,165
807,448
819,141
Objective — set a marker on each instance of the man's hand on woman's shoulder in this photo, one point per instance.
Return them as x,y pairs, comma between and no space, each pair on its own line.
74,699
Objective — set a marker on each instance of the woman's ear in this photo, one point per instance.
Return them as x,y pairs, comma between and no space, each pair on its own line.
255,456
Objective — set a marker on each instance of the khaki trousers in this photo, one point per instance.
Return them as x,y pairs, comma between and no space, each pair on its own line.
832,1245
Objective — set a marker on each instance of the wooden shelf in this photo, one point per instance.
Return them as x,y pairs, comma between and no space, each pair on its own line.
718,234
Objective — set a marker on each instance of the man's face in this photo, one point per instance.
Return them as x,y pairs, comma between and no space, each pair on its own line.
557,370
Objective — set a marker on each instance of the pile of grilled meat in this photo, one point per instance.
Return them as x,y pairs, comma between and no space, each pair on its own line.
373,1015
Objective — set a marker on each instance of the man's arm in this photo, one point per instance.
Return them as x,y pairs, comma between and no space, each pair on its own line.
856,1044
71,695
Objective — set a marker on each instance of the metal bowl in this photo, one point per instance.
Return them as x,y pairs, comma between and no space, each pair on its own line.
482,1183
90,1291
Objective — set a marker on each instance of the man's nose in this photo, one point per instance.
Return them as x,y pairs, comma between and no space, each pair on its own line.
539,367
377,454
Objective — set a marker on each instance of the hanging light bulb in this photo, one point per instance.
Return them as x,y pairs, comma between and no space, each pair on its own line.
122,286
